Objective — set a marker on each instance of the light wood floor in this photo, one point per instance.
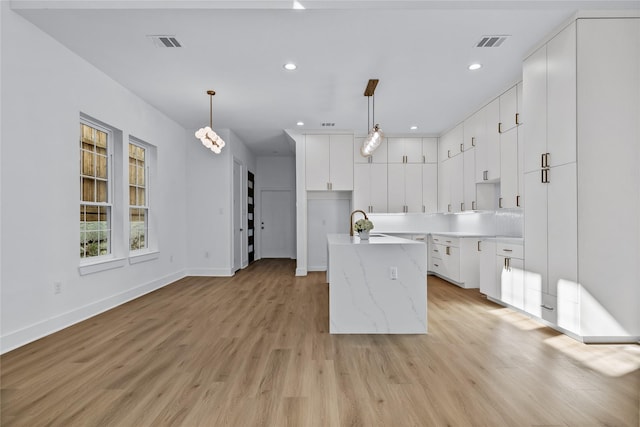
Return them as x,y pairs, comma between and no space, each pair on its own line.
253,350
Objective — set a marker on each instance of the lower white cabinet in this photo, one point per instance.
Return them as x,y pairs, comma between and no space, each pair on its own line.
488,279
455,259
511,280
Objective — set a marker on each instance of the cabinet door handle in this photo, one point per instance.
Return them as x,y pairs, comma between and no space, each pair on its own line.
517,118
449,207
479,250
518,201
542,160
424,159
436,265
424,208
505,263
508,264
546,160
370,159
485,175
473,141
546,307
473,205
542,176
462,206
546,176
500,202
448,250
499,127
461,148
507,250
449,153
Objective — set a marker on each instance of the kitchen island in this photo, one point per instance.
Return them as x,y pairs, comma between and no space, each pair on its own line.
377,286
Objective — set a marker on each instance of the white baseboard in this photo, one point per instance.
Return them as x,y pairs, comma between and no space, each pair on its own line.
46,327
317,268
301,271
212,272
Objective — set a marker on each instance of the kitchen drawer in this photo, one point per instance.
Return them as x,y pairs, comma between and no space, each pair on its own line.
510,250
436,265
446,240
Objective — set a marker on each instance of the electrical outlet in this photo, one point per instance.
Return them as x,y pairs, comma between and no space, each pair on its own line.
57,288
206,254
393,273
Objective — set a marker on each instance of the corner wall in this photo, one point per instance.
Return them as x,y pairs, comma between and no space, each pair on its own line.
45,87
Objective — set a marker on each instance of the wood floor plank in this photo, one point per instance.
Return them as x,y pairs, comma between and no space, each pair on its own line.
254,350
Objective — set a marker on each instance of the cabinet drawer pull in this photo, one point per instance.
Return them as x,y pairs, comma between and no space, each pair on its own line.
546,307
461,147
505,263
424,208
473,205
448,250
507,250
517,118
462,206
499,127
436,265
500,202
485,175
435,250
518,201
479,250
473,141
449,153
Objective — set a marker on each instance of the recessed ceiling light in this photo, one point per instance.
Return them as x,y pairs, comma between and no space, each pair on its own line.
475,66
300,123
290,66
413,127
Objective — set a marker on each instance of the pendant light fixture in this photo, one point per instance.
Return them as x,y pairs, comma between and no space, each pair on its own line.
375,135
209,138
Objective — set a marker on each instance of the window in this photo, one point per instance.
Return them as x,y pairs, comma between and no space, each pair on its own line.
138,197
95,194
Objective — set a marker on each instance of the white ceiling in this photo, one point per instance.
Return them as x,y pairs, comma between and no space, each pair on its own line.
419,50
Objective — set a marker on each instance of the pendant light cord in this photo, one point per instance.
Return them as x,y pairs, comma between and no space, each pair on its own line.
211,111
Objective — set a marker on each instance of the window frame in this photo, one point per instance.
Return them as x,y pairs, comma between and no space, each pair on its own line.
110,187
146,207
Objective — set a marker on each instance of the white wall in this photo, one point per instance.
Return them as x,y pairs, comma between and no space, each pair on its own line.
45,87
273,173
209,203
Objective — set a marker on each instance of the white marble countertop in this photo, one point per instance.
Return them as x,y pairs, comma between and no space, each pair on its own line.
460,234
374,239
505,239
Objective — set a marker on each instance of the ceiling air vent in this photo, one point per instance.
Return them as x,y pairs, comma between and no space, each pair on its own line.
165,41
326,124
491,41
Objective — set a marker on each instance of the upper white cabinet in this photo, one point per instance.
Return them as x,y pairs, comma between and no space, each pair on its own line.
404,150
508,110
488,144
405,187
329,162
452,142
469,200
430,188
430,150
370,187
378,156
509,190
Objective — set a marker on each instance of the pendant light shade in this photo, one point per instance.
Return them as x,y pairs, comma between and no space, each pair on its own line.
375,135
206,135
372,141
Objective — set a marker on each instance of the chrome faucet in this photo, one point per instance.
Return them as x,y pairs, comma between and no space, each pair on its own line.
351,220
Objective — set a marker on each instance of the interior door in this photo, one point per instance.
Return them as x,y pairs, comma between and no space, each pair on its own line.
238,226
277,225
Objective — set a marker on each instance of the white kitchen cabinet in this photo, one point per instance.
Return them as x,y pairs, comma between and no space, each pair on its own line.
511,280
488,145
430,150
452,142
378,156
581,107
488,278
370,187
455,259
519,115
469,180
404,187
509,193
444,186
404,150
430,187
456,179
329,162
473,129
508,110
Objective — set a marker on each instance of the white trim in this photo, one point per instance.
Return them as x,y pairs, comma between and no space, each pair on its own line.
211,272
46,327
301,271
143,256
101,265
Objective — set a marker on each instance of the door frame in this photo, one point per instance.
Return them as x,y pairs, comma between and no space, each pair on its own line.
236,217
260,219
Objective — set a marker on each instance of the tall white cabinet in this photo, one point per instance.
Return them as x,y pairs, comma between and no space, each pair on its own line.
581,93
